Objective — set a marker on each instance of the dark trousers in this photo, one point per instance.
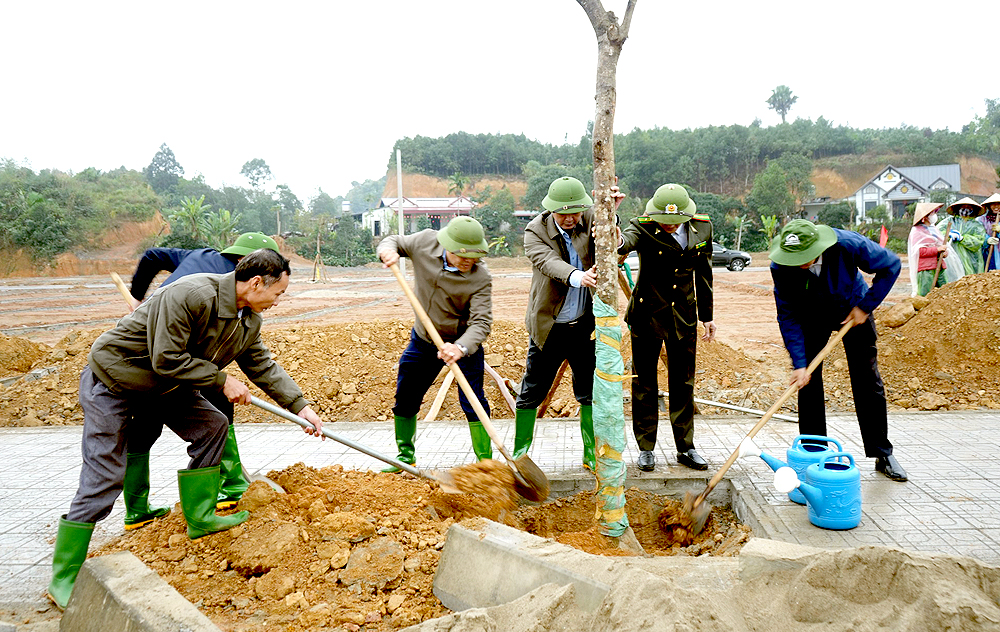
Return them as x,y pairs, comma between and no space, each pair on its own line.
419,366
111,422
680,381
866,384
566,341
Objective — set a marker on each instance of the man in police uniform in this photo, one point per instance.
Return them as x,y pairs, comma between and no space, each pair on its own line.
560,318
673,293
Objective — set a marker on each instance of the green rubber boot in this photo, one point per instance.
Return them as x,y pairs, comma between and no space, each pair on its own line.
199,489
481,444
406,429
587,430
524,430
231,481
72,542
135,492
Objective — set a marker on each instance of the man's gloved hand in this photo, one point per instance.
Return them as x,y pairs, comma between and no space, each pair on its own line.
992,241
954,235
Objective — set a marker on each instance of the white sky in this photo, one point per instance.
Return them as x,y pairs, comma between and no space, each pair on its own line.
321,90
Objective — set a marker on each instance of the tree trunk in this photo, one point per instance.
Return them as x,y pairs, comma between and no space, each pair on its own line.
609,416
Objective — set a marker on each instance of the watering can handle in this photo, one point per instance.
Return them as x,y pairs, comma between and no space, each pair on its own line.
798,440
834,455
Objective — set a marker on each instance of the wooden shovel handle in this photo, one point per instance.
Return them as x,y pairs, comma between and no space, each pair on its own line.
940,257
770,412
121,288
459,376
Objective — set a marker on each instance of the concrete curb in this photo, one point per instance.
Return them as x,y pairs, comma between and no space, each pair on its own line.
118,592
497,564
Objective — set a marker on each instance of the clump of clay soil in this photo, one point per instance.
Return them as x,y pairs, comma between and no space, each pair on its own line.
359,549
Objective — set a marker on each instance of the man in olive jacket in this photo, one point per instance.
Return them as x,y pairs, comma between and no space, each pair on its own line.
560,318
455,289
149,371
673,293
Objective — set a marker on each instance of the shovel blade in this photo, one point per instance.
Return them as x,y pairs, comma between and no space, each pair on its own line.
530,481
697,512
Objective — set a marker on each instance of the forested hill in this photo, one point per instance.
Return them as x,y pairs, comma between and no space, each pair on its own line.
719,159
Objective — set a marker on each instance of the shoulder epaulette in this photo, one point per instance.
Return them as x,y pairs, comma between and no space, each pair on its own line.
704,218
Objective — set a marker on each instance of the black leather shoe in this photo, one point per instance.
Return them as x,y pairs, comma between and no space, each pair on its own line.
890,467
692,460
647,460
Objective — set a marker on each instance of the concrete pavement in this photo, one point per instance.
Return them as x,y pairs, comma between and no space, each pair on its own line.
951,503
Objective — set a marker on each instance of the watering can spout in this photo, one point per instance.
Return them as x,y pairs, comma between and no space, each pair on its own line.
773,462
813,496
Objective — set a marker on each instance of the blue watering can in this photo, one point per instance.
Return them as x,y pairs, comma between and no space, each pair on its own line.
832,490
801,455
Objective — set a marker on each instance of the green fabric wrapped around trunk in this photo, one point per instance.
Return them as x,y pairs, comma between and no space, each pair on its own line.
609,421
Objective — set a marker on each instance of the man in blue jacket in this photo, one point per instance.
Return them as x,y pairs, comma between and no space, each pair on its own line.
818,288
180,263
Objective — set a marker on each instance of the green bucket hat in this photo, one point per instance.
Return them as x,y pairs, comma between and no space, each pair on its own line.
801,241
248,242
567,195
671,204
464,236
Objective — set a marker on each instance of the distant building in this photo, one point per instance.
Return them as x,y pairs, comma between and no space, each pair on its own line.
898,188
438,211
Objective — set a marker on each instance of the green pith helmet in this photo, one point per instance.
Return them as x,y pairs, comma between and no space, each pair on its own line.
248,242
800,241
671,205
464,236
567,195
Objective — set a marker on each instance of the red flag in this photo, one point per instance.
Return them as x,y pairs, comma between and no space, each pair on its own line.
883,236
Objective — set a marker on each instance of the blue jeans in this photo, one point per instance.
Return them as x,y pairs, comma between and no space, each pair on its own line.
419,366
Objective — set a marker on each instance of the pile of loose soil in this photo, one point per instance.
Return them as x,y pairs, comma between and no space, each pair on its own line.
354,549
946,356
17,355
348,371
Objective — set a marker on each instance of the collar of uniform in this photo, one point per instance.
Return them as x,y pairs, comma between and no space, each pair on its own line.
227,296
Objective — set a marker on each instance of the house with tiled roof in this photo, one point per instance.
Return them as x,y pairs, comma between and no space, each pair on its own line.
897,188
438,211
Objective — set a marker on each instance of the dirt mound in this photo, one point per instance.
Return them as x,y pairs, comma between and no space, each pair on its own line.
17,355
354,549
349,372
948,354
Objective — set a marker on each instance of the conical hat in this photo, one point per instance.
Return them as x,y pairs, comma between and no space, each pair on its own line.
966,202
992,203
924,209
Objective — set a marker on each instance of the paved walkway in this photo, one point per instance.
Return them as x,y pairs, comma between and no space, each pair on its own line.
951,503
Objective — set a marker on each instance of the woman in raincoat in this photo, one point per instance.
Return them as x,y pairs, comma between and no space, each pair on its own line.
966,234
991,256
924,247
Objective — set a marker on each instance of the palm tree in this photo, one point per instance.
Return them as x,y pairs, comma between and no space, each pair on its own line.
191,215
781,100
220,227
457,183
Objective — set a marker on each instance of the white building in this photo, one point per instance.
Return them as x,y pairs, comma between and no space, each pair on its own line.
897,188
439,211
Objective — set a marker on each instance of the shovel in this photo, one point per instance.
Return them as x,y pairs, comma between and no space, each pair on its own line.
446,481
529,481
695,508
